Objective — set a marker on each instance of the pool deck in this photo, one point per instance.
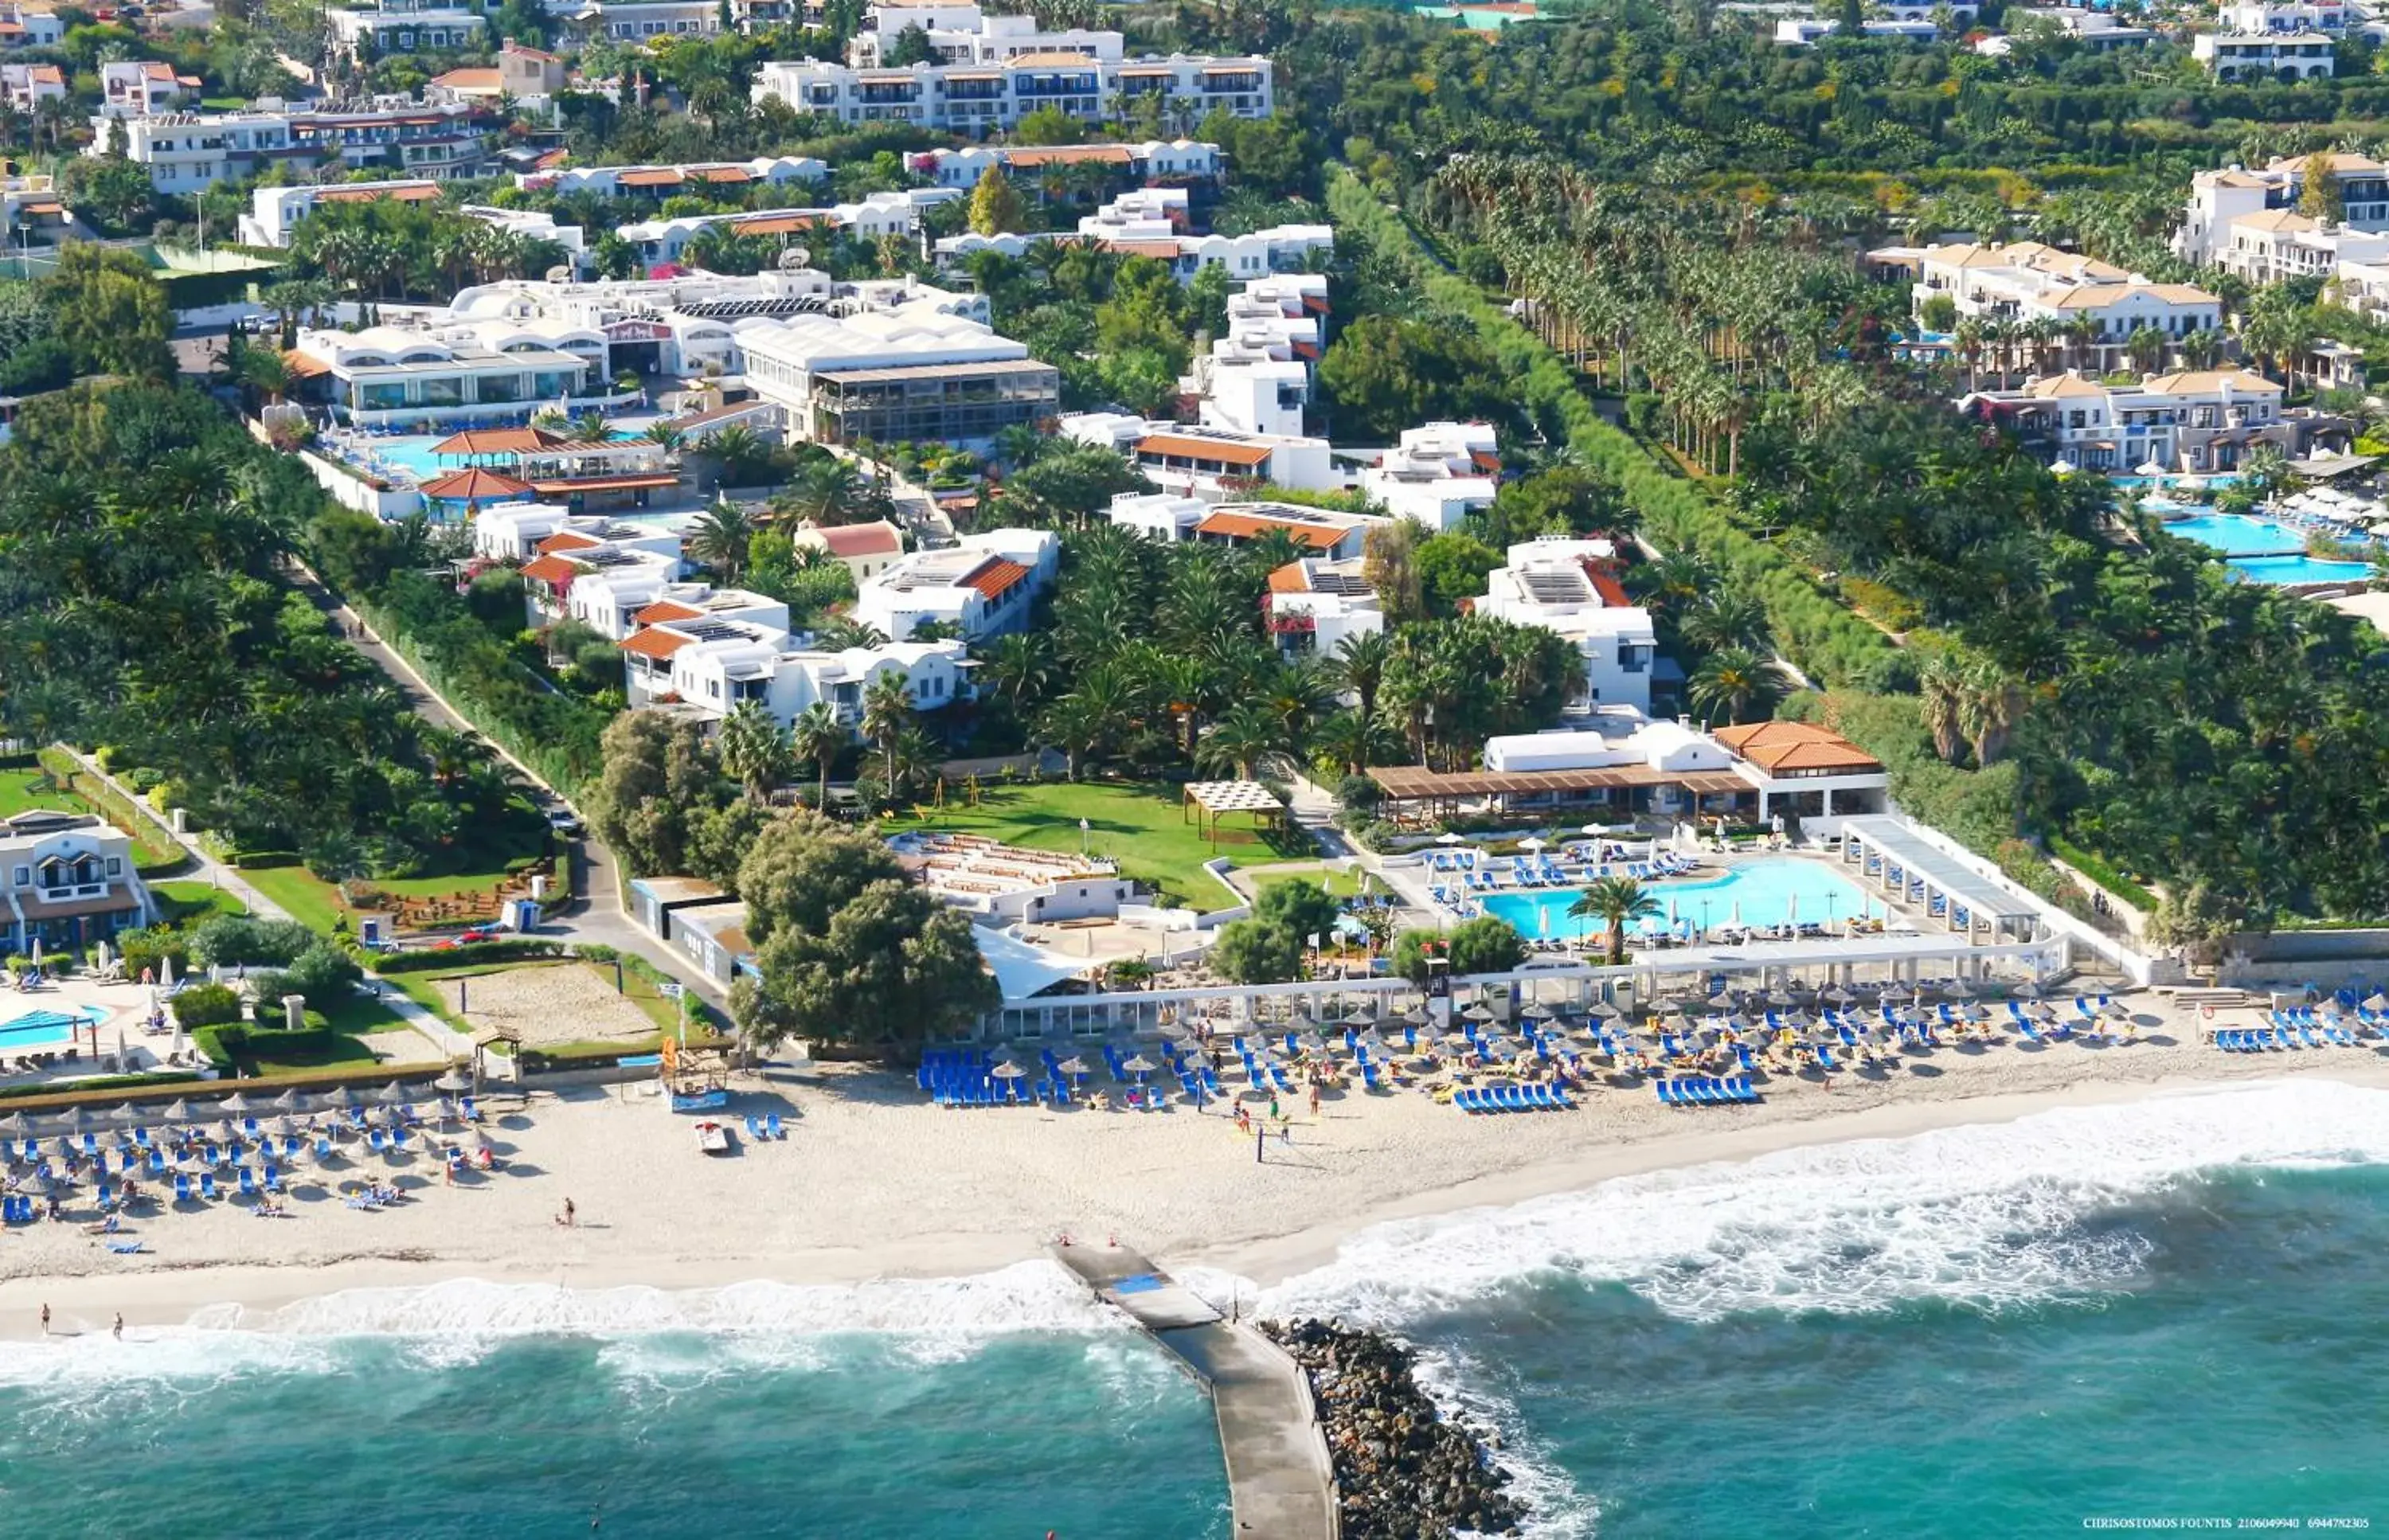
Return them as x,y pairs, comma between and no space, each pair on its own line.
1281,1483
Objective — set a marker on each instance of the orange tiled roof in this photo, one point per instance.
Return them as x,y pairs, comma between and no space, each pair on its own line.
996,579
654,644
859,540
473,485
375,195
1247,526
1289,578
664,178
550,569
497,440
563,540
667,609
1204,449
1776,746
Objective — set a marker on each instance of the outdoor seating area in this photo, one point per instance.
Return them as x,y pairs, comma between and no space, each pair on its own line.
2342,1021
366,1148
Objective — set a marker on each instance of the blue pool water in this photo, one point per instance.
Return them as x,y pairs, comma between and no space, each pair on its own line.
1766,891
37,1030
2298,569
412,454
2239,535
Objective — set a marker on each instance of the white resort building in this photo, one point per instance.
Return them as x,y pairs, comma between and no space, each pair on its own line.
2193,421
983,587
188,151
1570,587
1171,162
2029,281
1438,475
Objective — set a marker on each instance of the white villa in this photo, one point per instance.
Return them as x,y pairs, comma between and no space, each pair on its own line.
1171,162
70,879
1438,475
2247,222
1570,587
2258,56
990,71
1203,460
2189,421
867,549
662,181
1256,378
188,151
1315,606
391,373
2029,281
872,218
983,586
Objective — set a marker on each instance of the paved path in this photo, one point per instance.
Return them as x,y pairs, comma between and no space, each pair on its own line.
595,914
449,1042
1279,1483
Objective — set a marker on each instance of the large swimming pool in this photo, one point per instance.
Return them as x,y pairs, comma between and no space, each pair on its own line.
1770,891
2239,535
2297,569
41,1030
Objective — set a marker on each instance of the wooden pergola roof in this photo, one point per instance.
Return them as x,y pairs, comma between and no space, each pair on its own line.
1412,783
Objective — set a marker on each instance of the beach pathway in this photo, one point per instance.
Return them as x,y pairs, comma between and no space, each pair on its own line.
1280,1481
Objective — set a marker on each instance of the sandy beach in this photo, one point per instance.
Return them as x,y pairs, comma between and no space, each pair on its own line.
873,1182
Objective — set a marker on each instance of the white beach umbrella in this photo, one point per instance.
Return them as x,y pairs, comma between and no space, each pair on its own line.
35,956
1532,841
1448,837
1791,909
2150,467
166,971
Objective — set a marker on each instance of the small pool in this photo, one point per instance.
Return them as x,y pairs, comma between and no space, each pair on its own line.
410,453
1766,891
40,1029
2240,535
2298,569
2224,479
2167,506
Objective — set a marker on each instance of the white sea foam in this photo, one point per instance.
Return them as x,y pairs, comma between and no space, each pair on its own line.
1990,1214
754,1325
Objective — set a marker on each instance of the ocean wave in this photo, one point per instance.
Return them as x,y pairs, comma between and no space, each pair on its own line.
648,1334
1992,1216
1556,1508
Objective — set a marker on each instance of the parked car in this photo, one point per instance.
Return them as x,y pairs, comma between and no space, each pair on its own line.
565,822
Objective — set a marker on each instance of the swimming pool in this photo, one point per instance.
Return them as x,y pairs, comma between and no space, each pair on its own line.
2298,569
2240,535
40,1029
410,453
1770,891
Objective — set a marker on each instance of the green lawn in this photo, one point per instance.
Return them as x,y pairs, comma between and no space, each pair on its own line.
1341,884
189,903
26,787
155,852
1139,825
311,900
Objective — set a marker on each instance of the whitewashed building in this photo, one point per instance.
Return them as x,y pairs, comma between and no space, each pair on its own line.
1570,587
1314,606
1438,475
983,586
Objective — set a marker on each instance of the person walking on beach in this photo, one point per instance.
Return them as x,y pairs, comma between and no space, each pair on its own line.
120,1326
1314,1098
46,1319
569,1218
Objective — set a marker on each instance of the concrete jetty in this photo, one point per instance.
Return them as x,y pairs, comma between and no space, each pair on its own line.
1280,1485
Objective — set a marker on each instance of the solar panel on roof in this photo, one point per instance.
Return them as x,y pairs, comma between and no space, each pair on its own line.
710,631
1549,587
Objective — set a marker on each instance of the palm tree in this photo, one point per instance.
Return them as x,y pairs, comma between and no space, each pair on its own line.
1239,739
755,750
1348,738
1735,682
1616,902
887,712
737,450
1019,665
591,428
1358,666
1721,618
720,538
819,737
838,634
829,492
665,436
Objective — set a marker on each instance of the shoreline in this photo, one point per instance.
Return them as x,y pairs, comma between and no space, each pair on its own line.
173,1297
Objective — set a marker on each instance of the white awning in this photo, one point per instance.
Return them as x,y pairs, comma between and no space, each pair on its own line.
1023,970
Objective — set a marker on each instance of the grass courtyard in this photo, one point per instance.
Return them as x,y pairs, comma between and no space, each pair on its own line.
1140,825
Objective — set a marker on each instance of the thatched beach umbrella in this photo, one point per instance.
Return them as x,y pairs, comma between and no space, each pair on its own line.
290,1102
1956,989
1073,1066
1477,1012
235,1102
15,1124
1008,1071
454,1079
390,1095
1359,1015
1140,1065
177,1111
126,1112
2376,1002
74,1117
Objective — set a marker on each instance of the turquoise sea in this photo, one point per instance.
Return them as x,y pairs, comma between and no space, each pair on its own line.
2174,1310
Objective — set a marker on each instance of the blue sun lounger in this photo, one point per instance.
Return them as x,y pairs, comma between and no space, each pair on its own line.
182,1186
207,1186
771,1120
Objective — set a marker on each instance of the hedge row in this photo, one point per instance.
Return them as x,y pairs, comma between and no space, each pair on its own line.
2097,871
473,954
427,624
1814,631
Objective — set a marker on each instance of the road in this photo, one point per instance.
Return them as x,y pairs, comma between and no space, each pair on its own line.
595,914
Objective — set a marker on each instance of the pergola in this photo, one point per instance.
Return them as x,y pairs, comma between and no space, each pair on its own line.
1210,799
1447,789
1901,863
